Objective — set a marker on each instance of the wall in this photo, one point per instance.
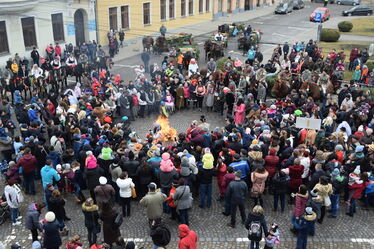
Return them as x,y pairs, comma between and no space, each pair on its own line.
137,28
43,25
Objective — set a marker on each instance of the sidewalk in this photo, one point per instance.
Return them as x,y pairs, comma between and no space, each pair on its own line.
134,46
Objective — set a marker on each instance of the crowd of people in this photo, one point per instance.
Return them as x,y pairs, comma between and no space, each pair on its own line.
81,139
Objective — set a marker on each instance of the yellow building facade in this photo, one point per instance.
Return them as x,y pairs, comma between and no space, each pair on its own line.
145,17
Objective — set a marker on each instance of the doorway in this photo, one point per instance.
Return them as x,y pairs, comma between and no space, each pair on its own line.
79,26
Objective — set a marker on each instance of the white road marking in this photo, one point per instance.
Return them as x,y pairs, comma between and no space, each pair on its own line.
281,35
129,66
296,28
259,23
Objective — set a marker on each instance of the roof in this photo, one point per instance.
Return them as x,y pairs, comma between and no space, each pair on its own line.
321,8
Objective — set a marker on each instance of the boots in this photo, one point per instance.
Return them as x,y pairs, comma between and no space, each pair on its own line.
64,232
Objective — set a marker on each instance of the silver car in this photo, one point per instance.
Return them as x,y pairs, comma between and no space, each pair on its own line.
348,2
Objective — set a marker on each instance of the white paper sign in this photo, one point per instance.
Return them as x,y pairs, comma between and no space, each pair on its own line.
308,123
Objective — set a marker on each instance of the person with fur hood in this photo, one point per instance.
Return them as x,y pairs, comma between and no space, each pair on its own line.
91,217
324,190
301,198
304,227
166,164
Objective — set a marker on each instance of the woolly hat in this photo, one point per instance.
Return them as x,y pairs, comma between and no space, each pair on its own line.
58,167
36,245
335,172
50,216
247,130
103,180
359,149
207,150
89,153
238,174
130,245
152,186
309,210
339,147
357,170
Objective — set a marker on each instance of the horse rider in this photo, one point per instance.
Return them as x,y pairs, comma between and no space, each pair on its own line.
83,59
248,30
56,65
218,36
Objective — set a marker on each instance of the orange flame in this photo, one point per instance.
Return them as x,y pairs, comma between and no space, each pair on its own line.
167,133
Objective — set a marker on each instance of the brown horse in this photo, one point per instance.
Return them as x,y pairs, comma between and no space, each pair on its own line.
312,89
280,89
147,43
218,76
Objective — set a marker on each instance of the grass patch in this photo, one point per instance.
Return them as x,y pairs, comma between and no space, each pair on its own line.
363,26
346,45
348,75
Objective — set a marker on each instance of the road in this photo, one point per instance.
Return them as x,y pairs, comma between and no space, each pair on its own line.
276,29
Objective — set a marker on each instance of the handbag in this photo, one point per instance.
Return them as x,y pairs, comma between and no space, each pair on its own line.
118,220
327,201
133,193
254,193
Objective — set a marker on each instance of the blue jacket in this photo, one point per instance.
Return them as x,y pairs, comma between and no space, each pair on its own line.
251,54
242,166
49,175
306,224
207,140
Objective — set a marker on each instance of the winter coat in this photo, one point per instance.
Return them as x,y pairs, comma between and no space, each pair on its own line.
52,237
49,175
323,191
205,176
153,203
258,181
125,186
253,217
166,164
229,177
115,172
57,206
32,218
91,216
28,163
272,163
131,167
300,203
188,238
237,191
166,178
92,177
280,184
183,196
239,114
5,144
13,196
208,161
295,172
186,167
111,232
338,184
306,223
104,193
91,162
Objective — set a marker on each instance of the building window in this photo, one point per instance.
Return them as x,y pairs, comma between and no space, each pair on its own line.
183,7
146,13
207,6
163,10
171,9
190,7
125,17
4,47
28,29
58,27
113,18
201,6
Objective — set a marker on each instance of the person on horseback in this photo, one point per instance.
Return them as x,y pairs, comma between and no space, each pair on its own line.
218,36
71,62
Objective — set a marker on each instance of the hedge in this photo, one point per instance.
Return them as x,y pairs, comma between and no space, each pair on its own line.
345,26
330,35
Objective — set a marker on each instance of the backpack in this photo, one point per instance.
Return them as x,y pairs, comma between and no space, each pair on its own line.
165,234
255,232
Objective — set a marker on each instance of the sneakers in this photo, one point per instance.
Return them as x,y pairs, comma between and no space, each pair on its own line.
18,223
19,218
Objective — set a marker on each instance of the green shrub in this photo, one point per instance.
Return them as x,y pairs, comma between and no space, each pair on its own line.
330,35
345,26
221,63
370,65
270,81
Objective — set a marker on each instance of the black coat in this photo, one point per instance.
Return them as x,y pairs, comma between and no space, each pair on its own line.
57,206
111,233
259,218
52,237
92,177
237,191
157,235
205,176
131,167
280,184
91,216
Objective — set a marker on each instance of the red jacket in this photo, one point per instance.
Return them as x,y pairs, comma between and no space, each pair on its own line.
300,203
358,190
271,163
188,238
295,174
28,163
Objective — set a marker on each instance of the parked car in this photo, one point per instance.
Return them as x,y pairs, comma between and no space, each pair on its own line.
358,11
284,8
298,4
322,1
349,2
320,15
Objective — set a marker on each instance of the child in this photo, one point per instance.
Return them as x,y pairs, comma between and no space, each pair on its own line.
273,237
354,178
303,227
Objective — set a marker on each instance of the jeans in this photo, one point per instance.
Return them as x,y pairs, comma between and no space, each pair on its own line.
29,183
334,204
126,204
183,216
166,207
227,205
205,192
61,223
92,237
34,234
233,212
302,239
352,208
14,214
282,198
254,244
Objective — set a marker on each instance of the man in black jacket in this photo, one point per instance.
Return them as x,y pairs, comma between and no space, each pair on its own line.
286,49
339,182
236,193
35,56
160,234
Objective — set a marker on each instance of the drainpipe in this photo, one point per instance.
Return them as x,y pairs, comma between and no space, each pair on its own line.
96,23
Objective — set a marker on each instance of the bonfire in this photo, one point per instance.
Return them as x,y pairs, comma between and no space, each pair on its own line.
166,133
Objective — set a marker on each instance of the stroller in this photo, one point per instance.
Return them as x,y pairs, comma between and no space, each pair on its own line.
4,210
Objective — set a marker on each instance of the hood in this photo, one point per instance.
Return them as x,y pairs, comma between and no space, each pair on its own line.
272,152
310,217
262,176
339,178
208,161
184,230
89,208
32,208
17,92
185,162
47,169
165,156
303,196
254,216
255,154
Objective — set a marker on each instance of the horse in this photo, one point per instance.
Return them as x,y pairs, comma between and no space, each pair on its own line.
207,48
160,45
312,90
216,51
147,43
280,88
218,75
224,28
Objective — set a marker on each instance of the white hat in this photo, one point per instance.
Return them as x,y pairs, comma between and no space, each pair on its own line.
103,180
357,170
89,153
50,216
309,210
58,167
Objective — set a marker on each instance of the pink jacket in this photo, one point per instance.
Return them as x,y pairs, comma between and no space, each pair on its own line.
91,162
300,202
166,164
